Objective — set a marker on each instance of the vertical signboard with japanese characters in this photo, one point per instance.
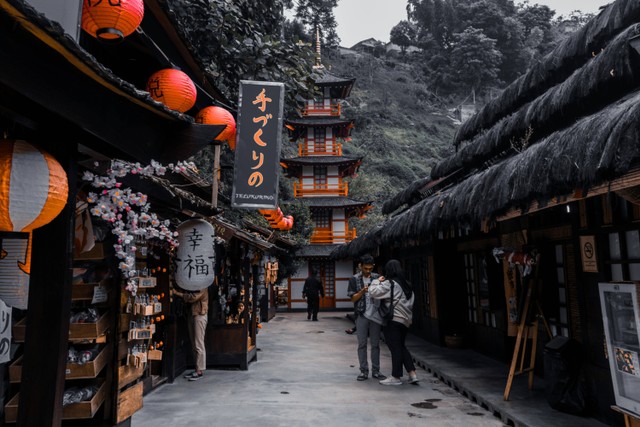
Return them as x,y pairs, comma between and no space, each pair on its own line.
259,133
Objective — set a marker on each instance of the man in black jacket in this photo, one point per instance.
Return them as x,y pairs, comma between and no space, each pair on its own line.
312,291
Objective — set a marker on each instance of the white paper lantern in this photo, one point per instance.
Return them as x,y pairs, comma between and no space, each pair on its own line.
196,257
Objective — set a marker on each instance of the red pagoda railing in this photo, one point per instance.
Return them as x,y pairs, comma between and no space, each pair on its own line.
339,189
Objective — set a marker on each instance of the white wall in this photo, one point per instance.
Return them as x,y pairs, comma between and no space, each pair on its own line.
295,286
344,270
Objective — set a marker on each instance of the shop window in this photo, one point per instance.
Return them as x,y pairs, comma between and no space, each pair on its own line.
321,219
320,140
471,287
477,285
418,275
624,255
320,176
559,318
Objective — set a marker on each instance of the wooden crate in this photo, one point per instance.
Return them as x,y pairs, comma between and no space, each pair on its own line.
83,291
129,402
85,409
19,330
81,331
90,369
81,410
77,331
95,253
73,370
15,371
128,374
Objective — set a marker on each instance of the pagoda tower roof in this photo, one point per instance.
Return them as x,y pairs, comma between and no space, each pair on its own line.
340,87
294,166
297,128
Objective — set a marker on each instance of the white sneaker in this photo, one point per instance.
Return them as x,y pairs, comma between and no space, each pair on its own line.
391,381
413,379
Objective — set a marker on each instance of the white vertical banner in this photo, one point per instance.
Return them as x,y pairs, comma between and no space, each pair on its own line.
5,332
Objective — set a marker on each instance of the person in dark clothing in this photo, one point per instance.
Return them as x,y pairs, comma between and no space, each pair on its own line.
312,291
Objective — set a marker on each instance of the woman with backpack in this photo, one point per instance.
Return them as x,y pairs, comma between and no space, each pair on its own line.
394,287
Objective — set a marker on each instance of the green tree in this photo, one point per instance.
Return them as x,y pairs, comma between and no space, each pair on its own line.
319,14
475,61
241,40
403,34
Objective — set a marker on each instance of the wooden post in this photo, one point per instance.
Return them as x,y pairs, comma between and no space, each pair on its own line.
47,330
216,173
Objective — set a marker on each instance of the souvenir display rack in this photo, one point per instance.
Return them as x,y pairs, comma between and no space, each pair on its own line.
89,363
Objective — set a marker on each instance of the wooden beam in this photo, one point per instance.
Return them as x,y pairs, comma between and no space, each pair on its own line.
47,330
631,179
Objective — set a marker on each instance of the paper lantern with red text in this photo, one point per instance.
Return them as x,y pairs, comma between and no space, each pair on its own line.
173,88
111,20
214,115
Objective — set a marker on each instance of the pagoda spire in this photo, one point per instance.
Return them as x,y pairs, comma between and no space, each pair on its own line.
318,64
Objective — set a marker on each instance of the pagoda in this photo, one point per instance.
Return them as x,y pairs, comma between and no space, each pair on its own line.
321,169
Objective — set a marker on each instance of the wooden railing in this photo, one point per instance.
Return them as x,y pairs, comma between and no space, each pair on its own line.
332,110
339,189
332,149
328,236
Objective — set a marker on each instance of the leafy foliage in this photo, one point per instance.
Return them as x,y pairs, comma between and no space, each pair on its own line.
241,40
319,14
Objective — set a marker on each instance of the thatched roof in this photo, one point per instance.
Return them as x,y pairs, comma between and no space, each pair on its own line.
569,55
607,77
595,149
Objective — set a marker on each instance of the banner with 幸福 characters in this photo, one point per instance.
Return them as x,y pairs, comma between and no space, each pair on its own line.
258,139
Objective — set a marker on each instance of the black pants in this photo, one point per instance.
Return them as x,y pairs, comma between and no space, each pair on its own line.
313,305
395,334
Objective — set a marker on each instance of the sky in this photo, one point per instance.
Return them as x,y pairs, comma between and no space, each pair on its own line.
361,19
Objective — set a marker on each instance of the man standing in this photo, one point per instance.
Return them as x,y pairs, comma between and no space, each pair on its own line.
199,309
312,291
368,322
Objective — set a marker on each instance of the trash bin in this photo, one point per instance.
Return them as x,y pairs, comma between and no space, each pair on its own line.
564,376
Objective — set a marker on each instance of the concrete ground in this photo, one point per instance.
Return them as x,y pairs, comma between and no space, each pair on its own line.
305,375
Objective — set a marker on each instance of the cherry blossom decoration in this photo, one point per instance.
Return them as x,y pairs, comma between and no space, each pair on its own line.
128,212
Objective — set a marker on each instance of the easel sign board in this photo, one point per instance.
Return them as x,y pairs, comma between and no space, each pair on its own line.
621,318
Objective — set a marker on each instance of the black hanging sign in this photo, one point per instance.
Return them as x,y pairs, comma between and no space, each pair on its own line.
259,134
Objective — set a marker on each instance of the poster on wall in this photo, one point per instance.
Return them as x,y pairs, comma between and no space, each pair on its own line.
257,154
621,319
588,254
14,269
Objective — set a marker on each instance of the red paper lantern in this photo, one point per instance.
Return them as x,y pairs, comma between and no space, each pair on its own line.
111,20
219,116
173,88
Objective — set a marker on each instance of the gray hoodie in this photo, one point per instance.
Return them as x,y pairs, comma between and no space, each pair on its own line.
403,307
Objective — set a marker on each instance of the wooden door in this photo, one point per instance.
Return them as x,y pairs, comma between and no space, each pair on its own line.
327,273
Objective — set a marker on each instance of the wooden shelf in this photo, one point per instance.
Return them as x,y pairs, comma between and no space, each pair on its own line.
80,410
73,370
77,331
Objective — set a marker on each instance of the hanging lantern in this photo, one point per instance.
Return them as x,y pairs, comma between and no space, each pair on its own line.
33,186
111,20
195,257
33,191
219,116
173,88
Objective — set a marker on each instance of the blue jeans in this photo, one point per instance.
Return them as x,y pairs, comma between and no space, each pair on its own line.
367,328
395,334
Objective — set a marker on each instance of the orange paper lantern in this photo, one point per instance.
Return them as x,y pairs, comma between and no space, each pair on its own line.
111,20
219,116
33,186
173,88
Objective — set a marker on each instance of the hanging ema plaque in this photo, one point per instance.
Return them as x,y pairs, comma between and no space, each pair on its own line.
259,132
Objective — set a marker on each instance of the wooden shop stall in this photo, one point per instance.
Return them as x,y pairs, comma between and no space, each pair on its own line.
87,311
234,315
